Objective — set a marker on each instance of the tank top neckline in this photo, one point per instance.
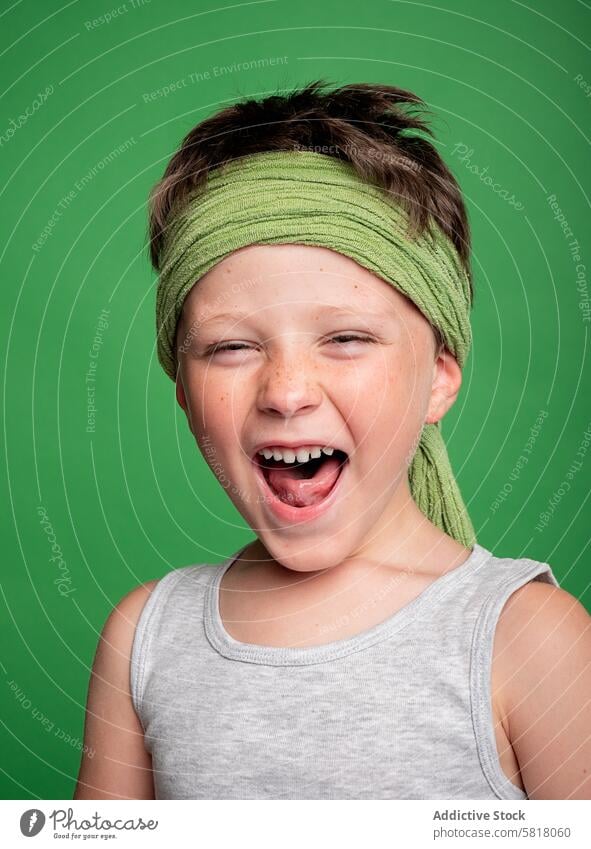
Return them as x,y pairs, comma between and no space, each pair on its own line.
234,649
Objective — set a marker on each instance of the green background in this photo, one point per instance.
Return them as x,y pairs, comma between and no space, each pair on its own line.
134,499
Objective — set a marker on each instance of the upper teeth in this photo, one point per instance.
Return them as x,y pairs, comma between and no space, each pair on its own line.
302,454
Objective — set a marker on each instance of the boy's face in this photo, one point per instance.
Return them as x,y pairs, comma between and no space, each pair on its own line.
292,375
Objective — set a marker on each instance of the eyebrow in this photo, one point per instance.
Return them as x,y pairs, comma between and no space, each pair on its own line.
223,316
330,310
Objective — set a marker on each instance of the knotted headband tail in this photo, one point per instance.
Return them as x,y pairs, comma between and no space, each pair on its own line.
286,197
435,490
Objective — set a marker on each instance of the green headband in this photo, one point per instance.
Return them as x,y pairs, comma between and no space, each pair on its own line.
282,197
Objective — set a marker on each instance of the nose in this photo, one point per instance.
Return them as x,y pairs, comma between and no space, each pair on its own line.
288,387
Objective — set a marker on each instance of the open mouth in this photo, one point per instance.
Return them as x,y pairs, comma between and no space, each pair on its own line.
303,484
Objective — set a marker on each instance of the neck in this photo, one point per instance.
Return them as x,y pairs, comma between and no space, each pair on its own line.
401,536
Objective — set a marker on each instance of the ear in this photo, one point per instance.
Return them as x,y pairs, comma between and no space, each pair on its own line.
180,393
182,398
447,381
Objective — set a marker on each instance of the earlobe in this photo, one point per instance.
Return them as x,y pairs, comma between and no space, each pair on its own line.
182,400
447,381
180,394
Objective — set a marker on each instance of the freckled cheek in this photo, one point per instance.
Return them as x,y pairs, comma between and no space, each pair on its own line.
391,386
388,408
219,408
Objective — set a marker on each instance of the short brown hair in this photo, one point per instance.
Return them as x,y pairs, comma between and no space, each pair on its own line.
379,129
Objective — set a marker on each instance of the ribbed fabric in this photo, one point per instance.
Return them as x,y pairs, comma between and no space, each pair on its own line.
308,198
399,711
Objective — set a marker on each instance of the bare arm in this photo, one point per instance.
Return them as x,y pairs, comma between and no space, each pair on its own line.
544,637
115,764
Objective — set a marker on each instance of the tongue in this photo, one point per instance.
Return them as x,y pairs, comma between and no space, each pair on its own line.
303,492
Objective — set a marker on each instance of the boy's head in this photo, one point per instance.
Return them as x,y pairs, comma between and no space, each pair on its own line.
337,279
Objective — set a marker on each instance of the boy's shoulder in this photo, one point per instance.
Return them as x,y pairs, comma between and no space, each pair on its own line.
539,620
119,627
536,606
133,601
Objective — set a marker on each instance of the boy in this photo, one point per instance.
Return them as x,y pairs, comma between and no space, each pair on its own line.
313,310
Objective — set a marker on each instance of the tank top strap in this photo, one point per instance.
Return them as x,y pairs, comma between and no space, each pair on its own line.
177,595
474,593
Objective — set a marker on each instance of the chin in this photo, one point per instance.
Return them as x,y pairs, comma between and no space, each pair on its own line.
301,555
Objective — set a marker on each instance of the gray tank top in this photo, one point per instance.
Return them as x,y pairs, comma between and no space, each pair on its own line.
399,711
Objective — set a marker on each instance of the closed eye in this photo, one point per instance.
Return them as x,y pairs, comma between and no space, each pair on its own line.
352,338
237,346
229,346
